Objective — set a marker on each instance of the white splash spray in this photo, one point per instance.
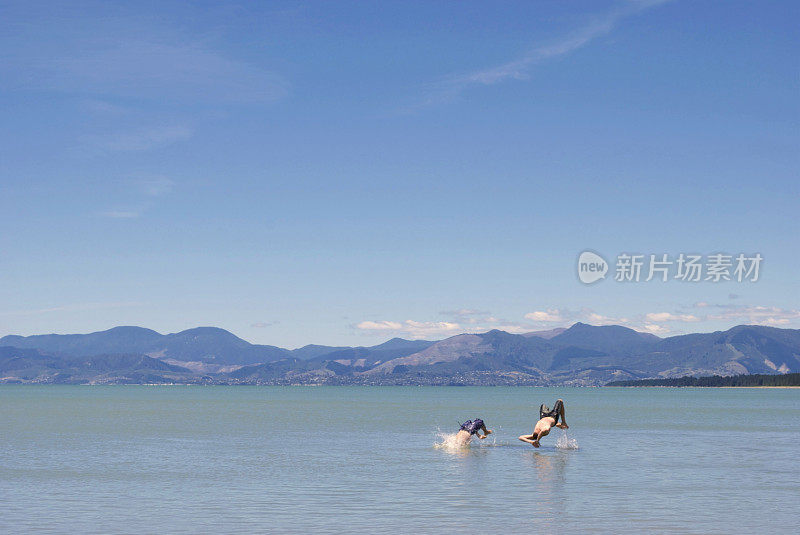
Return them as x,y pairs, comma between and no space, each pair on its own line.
451,441
448,441
566,443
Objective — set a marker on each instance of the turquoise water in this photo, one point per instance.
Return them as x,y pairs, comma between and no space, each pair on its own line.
178,459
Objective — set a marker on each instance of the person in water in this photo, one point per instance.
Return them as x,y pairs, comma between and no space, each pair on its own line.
472,427
547,419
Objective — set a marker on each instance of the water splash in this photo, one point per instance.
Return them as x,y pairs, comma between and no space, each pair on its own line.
566,443
448,441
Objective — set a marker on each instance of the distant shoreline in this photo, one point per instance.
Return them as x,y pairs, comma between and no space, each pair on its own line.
789,380
750,387
674,386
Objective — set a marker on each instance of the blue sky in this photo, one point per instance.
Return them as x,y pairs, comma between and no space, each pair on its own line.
342,173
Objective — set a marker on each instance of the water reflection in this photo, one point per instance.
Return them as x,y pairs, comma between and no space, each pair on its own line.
549,467
549,471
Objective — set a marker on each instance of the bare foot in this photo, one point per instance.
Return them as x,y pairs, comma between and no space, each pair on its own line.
535,443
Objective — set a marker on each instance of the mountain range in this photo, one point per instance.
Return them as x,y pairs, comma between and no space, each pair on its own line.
579,355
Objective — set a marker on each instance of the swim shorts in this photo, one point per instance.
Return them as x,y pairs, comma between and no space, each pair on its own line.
472,426
544,412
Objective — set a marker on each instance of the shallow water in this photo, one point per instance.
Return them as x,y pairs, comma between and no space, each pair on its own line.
141,459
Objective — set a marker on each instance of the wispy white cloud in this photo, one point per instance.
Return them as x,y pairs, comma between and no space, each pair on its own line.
380,326
519,68
552,315
726,313
599,319
513,328
156,186
142,139
121,214
756,315
668,316
477,321
139,81
144,192
464,313
412,328
74,307
163,66
263,324
775,322
421,329
753,314
653,328
104,108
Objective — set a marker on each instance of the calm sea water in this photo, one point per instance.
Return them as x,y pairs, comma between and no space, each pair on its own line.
178,459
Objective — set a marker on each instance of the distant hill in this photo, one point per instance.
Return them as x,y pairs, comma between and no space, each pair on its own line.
612,339
214,345
312,350
745,349
116,340
580,355
402,345
202,344
364,356
28,365
281,370
518,358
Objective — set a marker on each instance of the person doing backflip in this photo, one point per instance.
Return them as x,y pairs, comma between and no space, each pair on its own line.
547,419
